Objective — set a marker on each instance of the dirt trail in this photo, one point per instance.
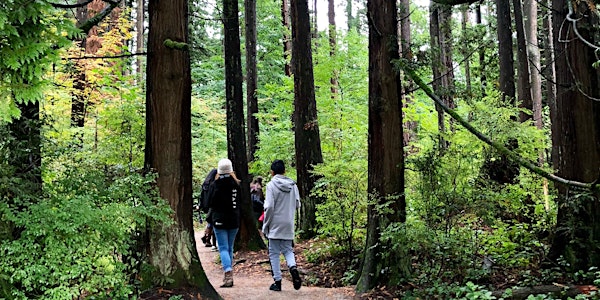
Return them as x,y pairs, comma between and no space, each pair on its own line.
250,286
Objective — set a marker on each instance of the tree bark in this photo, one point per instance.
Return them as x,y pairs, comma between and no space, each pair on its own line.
350,17
251,78
386,157
505,54
482,64
287,40
465,50
332,47
248,236
576,133
406,53
78,102
441,63
306,126
171,248
530,8
523,83
139,31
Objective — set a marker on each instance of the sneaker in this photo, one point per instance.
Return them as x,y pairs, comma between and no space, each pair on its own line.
296,277
276,286
214,248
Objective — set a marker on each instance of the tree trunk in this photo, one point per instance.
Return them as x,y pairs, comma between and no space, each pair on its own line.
523,84
251,78
410,127
78,103
436,67
576,134
482,64
306,126
505,54
171,248
386,164
139,45
351,19
465,50
332,47
248,236
549,69
533,53
441,62
287,40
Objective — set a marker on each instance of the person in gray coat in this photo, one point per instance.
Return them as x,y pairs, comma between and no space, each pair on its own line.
282,199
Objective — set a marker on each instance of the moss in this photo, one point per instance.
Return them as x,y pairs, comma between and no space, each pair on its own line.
175,45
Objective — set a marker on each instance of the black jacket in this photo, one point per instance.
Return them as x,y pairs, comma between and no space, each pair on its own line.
223,200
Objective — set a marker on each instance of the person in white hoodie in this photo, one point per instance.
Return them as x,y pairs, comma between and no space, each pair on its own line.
282,199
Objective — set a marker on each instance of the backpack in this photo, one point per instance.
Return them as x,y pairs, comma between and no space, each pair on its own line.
210,178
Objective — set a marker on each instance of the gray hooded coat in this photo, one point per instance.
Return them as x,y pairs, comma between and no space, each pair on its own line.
281,201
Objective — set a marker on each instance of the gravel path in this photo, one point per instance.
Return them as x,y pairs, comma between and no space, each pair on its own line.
256,285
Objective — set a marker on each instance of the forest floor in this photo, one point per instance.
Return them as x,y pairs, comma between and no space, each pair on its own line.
252,277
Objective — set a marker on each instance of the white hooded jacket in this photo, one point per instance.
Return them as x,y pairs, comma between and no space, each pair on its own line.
281,201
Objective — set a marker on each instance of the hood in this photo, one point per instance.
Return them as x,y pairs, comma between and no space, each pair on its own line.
283,183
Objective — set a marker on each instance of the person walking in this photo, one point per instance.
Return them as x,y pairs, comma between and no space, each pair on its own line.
224,214
281,201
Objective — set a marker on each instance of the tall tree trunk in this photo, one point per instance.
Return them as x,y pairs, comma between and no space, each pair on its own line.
139,31
351,19
576,134
407,84
505,54
482,71
533,53
307,138
445,21
78,103
386,157
332,47
523,84
171,248
287,40
436,67
465,49
441,62
248,236
251,78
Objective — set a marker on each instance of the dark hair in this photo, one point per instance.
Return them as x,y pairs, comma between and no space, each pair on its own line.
278,167
258,179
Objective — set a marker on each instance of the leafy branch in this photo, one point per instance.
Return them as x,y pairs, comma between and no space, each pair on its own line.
498,146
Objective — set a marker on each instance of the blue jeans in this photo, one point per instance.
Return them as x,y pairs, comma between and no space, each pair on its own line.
276,248
225,239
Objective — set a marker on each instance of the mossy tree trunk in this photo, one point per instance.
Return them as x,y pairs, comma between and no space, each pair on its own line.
171,248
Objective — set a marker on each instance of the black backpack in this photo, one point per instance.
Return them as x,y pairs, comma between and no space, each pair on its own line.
204,192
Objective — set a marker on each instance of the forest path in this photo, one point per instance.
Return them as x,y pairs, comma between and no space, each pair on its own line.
252,279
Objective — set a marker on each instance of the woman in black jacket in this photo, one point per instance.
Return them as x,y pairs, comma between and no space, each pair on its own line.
223,199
